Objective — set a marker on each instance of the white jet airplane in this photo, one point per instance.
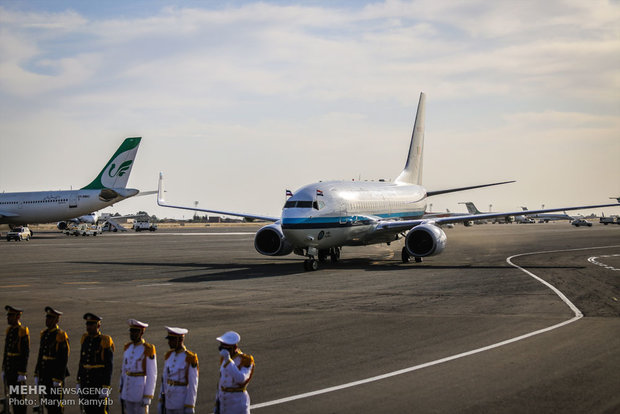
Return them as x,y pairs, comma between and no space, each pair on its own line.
109,187
322,217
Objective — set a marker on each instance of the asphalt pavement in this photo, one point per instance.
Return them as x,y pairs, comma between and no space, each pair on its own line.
464,331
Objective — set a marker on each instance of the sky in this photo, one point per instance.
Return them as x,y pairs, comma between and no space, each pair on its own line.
238,101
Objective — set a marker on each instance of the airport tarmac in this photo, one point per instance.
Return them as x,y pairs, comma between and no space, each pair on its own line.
369,334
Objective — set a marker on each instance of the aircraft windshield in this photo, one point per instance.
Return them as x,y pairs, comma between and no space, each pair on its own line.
300,204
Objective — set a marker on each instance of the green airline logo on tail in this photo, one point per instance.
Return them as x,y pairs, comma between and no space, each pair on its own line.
121,170
111,176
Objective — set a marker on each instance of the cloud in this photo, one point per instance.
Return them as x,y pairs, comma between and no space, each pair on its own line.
262,80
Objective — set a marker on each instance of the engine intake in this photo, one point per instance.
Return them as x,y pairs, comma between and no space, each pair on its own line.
425,240
270,241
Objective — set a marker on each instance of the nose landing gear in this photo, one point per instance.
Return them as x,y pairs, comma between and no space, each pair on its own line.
312,264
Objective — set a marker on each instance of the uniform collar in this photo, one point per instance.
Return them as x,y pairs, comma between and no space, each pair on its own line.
178,351
140,342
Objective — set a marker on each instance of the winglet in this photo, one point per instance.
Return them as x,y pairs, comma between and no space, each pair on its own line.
412,173
116,172
160,189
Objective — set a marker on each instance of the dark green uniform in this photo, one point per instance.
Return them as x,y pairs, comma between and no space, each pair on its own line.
51,366
15,360
95,370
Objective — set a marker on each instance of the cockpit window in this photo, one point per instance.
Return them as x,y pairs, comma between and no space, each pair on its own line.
301,204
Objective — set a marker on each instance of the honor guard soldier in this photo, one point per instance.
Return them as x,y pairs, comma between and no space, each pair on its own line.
139,371
51,368
95,369
236,370
15,360
179,386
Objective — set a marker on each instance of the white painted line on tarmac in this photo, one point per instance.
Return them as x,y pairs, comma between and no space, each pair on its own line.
577,315
594,260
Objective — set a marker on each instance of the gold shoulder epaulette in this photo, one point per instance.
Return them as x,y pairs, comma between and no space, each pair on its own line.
62,336
43,332
106,342
191,358
149,350
246,360
23,331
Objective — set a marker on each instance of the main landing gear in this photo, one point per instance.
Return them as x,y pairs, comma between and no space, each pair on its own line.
312,264
406,257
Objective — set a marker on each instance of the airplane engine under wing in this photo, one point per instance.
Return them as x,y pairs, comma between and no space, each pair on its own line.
425,240
61,225
270,241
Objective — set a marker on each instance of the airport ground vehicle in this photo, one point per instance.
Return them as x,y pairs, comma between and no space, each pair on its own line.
140,225
83,229
19,234
609,220
581,222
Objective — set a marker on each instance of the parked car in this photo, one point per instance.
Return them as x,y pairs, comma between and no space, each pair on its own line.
581,222
19,234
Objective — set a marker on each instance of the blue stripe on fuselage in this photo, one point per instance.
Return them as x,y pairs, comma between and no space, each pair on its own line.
343,221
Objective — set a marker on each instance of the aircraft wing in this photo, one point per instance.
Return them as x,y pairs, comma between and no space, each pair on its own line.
454,190
397,226
162,203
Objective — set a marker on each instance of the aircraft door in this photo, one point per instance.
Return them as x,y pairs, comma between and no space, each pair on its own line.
73,201
343,213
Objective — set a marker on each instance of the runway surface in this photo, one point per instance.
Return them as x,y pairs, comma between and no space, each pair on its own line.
366,335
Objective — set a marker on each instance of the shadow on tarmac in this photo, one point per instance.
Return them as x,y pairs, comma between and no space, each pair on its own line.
218,272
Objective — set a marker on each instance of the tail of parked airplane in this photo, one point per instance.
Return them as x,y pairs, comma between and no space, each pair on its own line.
471,208
412,174
116,172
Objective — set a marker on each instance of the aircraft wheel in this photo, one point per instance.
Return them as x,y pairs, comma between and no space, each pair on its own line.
335,254
311,264
418,260
404,254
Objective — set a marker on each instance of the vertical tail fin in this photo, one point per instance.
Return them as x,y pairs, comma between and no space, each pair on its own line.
471,208
412,173
116,172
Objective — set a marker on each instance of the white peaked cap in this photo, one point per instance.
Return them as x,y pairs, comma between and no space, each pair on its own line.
173,331
230,338
134,323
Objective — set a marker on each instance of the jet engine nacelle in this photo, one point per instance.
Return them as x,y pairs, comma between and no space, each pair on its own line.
270,241
425,240
61,225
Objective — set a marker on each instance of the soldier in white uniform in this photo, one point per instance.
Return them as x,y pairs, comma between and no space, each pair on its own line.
179,386
139,371
236,369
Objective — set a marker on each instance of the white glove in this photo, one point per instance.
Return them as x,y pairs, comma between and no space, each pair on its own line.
21,378
225,354
146,402
104,393
188,410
